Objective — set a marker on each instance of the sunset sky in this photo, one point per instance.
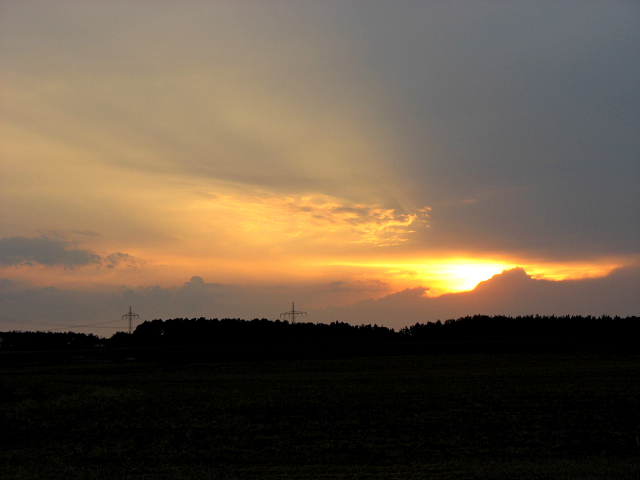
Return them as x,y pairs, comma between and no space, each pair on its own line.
369,160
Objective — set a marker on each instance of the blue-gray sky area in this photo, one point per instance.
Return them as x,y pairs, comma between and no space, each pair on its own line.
345,153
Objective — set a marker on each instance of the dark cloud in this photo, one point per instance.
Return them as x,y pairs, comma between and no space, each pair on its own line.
44,251
54,252
530,108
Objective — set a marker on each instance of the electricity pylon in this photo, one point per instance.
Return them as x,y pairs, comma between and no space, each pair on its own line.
130,316
293,313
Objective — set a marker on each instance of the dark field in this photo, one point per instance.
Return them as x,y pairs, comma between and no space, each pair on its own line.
472,416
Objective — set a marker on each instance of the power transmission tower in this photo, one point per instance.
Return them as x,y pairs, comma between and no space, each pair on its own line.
293,313
130,316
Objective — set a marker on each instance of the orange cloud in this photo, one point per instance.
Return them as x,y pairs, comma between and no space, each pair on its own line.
307,223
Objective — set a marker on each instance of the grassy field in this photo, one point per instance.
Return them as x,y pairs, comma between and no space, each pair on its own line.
473,416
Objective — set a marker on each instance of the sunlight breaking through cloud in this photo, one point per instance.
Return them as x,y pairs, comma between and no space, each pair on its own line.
318,219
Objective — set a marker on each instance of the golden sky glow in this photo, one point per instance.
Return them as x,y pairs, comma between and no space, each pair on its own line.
224,158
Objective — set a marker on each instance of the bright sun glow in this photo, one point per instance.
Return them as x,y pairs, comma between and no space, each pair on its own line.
466,276
439,276
459,274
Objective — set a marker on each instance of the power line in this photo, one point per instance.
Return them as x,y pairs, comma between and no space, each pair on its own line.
129,316
87,325
59,327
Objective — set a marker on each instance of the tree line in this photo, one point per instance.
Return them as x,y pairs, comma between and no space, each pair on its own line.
263,332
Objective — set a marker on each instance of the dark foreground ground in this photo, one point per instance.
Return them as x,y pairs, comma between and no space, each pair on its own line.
453,416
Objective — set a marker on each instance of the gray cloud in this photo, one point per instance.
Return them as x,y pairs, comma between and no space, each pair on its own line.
54,253
28,308
118,258
530,108
44,251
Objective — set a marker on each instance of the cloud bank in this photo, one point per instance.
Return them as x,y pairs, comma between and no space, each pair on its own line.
513,292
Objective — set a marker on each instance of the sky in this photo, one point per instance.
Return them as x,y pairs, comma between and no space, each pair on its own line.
372,161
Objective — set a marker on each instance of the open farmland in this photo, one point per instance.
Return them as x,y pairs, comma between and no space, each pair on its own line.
452,416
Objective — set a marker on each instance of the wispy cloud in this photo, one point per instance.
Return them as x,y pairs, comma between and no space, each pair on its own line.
370,224
118,258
